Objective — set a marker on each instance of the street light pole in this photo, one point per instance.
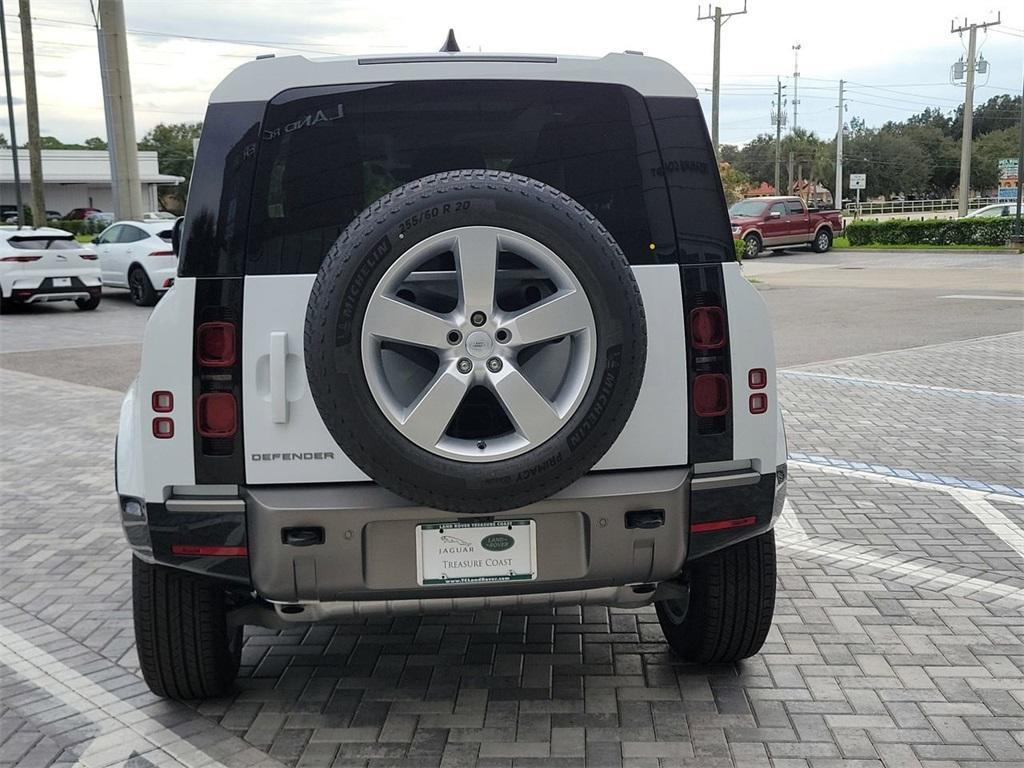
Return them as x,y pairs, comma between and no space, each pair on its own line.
838,201
1018,235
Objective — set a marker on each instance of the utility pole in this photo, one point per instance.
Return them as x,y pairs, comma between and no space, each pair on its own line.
719,18
10,118
124,153
796,80
35,153
838,201
965,148
789,174
1018,234
779,118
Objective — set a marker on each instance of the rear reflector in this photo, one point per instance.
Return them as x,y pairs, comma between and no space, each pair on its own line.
707,328
711,394
168,282
757,378
162,253
215,344
88,256
208,551
21,259
215,414
758,402
722,525
163,402
163,427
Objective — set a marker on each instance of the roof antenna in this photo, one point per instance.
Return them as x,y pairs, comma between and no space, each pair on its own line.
450,45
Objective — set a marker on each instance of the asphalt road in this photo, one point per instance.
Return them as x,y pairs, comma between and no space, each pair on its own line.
843,303
823,306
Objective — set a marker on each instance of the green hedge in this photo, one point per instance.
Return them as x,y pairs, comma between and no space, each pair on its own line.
740,247
979,231
77,227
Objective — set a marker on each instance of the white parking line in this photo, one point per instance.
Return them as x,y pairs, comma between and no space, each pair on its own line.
992,518
899,384
974,502
123,729
981,296
898,350
923,574
789,519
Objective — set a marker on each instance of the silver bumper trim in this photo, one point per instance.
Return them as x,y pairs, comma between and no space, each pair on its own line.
731,480
622,597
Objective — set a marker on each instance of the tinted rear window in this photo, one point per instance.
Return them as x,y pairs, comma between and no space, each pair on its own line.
327,153
57,243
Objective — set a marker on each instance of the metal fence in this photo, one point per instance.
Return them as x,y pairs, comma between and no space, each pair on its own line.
915,206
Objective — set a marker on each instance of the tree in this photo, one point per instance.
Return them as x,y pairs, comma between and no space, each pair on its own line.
734,182
988,150
3,140
173,144
96,143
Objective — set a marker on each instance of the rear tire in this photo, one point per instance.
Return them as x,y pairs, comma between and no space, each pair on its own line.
140,287
89,304
731,603
6,306
186,649
751,246
822,241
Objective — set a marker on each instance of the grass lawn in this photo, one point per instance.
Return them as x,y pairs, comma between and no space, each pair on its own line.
842,242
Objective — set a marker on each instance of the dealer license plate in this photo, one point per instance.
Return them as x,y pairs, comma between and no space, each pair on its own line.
463,553
62,282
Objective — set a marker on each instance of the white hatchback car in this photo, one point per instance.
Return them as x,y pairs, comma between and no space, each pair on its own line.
137,255
45,264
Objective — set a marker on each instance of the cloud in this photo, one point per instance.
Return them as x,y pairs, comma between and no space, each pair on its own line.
173,76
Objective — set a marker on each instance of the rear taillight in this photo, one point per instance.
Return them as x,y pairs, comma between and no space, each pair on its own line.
707,328
163,402
711,395
216,415
215,344
757,378
21,259
88,256
162,253
759,403
163,427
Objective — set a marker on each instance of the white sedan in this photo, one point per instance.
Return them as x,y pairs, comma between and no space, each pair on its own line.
999,209
137,255
44,264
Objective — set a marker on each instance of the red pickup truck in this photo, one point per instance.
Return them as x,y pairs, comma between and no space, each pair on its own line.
772,222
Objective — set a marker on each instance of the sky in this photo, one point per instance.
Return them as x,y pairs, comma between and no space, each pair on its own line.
895,54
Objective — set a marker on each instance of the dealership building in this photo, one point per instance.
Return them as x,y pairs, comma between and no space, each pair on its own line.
79,178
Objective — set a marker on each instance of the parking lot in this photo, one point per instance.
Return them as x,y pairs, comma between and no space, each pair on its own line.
899,630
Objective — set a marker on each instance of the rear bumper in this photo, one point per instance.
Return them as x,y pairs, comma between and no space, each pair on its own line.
369,539
34,290
589,547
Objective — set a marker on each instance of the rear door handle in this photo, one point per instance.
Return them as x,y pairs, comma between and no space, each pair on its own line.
278,372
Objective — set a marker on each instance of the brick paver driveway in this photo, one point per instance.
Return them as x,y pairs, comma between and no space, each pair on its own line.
898,640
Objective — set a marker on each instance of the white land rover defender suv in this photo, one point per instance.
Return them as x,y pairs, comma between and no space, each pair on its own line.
450,332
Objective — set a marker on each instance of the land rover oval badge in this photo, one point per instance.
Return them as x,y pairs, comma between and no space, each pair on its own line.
497,542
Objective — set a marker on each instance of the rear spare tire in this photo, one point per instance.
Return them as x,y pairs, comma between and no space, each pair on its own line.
475,341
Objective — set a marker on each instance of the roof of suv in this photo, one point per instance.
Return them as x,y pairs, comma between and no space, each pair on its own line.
263,79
